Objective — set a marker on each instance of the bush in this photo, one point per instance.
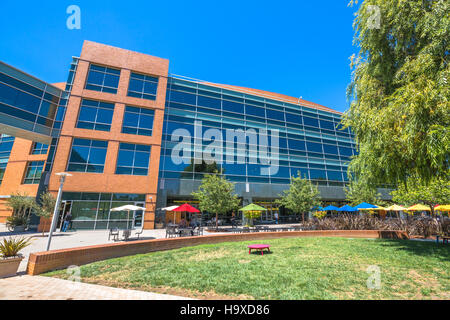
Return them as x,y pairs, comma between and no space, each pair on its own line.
11,247
14,221
423,226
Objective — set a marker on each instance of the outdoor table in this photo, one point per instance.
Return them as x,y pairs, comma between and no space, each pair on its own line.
259,247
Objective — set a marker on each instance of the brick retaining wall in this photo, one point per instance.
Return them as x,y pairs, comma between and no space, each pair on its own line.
41,262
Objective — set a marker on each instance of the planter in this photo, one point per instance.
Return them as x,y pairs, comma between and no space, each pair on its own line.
159,225
19,228
9,266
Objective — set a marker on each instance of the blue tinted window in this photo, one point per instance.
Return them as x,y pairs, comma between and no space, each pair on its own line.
39,148
182,97
314,147
293,118
330,149
209,102
133,159
87,155
334,175
326,125
102,79
310,122
275,115
296,144
95,115
345,151
232,106
33,172
317,174
138,121
142,86
255,111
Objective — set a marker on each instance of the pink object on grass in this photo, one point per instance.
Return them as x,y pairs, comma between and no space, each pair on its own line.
259,247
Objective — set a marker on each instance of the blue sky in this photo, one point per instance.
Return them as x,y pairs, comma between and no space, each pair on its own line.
298,48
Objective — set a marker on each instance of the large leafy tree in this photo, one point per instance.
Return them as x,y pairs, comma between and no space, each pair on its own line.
416,191
301,196
216,195
359,191
400,112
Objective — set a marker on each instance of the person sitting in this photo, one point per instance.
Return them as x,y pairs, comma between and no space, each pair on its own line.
183,223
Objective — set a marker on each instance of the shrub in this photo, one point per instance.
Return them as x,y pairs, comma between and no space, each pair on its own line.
14,221
11,247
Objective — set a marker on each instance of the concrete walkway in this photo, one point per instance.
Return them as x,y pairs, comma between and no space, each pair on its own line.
45,288
71,239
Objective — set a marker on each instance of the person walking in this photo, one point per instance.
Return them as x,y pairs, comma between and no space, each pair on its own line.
233,220
276,217
67,222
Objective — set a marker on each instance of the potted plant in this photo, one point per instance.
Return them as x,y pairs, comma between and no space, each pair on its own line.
10,257
16,223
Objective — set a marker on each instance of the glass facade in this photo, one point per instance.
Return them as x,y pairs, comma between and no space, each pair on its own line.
27,103
249,138
138,121
133,159
95,115
39,148
142,86
6,144
87,155
102,79
92,210
33,172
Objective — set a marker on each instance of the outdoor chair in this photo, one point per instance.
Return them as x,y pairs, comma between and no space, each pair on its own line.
115,233
126,234
171,232
245,229
139,232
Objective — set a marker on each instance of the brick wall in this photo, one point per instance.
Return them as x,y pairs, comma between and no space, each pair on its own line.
41,262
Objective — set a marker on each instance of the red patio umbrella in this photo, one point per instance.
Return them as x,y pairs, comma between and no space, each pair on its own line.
185,208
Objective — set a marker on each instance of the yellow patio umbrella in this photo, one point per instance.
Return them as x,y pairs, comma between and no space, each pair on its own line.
443,207
378,208
419,207
395,207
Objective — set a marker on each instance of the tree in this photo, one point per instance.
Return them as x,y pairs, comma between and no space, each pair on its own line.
416,191
301,196
46,207
360,191
21,204
216,195
400,112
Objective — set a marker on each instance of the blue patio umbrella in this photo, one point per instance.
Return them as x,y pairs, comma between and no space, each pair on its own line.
330,208
346,208
317,208
365,205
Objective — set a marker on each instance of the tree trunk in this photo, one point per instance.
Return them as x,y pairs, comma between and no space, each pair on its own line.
217,221
303,217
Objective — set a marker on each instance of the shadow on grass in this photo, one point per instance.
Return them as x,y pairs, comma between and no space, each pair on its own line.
258,253
421,248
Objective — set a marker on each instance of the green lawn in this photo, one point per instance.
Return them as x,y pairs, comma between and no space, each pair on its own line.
298,268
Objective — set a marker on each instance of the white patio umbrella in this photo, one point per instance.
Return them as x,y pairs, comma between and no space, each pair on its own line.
128,208
171,208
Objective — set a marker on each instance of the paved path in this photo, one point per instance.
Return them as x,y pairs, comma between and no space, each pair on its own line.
44,288
71,239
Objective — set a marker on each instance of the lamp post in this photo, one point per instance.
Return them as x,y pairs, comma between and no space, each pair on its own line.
62,178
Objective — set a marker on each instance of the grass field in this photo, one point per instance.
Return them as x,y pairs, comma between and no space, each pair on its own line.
297,268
